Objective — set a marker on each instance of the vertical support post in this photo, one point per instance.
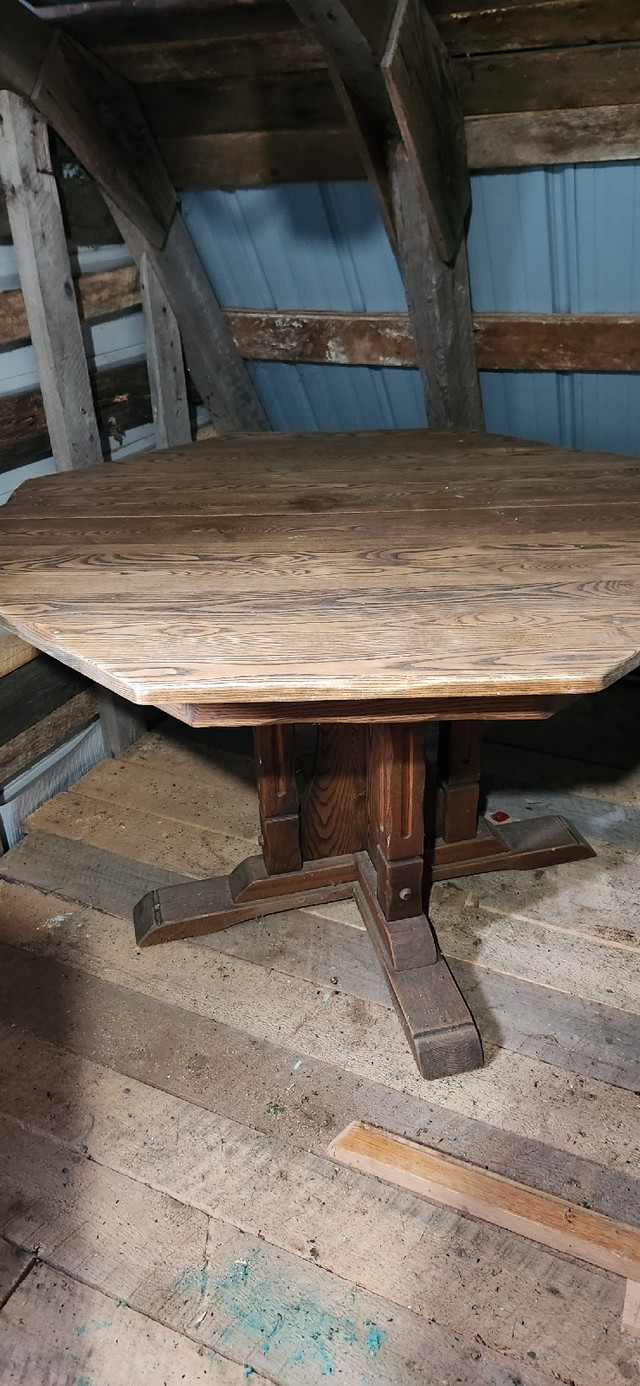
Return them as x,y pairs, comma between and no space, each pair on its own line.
439,303
37,229
459,756
121,722
278,798
396,823
334,803
167,379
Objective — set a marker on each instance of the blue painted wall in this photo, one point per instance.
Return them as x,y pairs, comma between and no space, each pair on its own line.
556,240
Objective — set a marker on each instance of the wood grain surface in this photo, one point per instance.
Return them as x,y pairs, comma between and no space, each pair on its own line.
295,568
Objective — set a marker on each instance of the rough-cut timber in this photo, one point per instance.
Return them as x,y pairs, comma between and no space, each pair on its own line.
45,276
98,114
424,96
218,372
575,1230
439,308
167,380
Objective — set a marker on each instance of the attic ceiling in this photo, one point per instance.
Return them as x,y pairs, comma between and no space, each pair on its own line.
239,94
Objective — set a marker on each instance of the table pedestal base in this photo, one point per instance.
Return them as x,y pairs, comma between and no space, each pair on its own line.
385,874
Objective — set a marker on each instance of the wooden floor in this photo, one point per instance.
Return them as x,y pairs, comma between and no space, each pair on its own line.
169,1212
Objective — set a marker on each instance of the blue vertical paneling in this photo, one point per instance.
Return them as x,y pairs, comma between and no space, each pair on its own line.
314,246
540,240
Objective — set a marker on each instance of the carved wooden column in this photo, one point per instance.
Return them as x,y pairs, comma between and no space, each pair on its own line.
278,798
434,1015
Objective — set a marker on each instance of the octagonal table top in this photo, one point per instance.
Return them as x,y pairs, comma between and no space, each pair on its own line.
293,568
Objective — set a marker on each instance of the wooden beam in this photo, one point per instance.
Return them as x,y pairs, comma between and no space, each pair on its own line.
597,134
99,295
502,342
422,90
45,276
79,97
425,173
122,401
354,339
479,27
98,114
439,305
218,371
13,652
569,1228
157,36
557,342
167,380
352,36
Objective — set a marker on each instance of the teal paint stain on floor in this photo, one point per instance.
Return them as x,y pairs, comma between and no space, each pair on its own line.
291,1328
374,1339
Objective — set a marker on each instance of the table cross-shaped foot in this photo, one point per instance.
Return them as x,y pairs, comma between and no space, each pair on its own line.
382,857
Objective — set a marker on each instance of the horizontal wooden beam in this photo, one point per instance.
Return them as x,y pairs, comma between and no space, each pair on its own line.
504,342
524,139
540,83
557,342
122,401
100,295
478,27
13,652
527,139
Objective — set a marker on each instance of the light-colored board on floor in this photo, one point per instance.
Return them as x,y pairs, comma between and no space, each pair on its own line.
261,1305
513,1092
215,793
566,1227
300,1099
75,872
57,1330
556,955
306,1207
14,1265
149,838
598,904
631,1309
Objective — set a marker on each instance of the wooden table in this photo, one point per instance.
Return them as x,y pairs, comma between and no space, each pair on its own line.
367,583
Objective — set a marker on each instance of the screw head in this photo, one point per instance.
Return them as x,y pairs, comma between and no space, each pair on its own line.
405,893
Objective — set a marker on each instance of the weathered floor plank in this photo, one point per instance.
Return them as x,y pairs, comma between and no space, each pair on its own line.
268,1309
151,839
252,1049
14,1265
58,1331
512,1091
559,999
318,1216
224,1070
